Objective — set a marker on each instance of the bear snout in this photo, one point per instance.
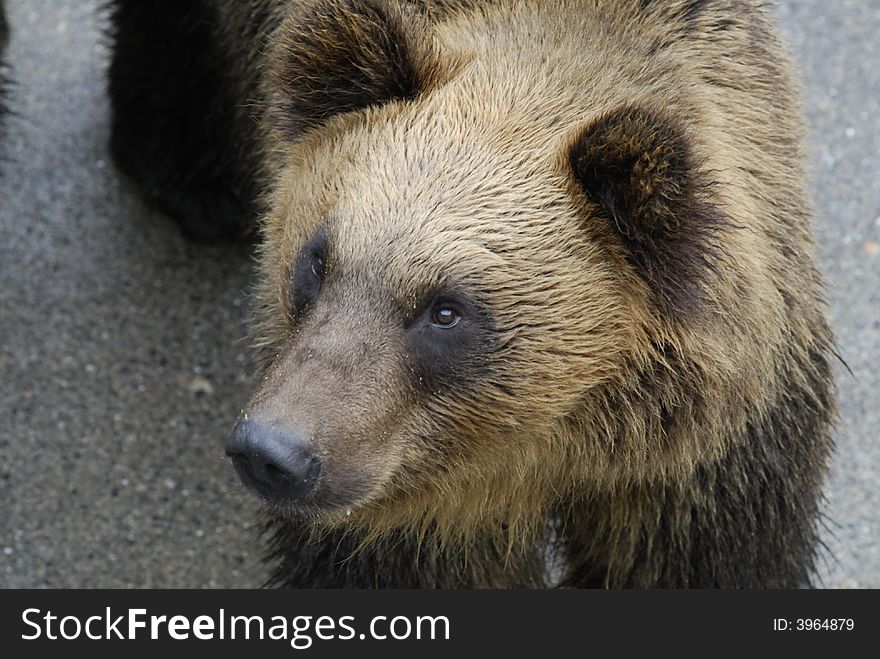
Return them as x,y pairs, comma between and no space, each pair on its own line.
273,459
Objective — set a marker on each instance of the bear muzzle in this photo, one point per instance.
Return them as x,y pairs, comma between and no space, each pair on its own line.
274,460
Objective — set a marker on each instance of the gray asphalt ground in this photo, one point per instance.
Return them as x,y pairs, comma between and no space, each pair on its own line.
122,359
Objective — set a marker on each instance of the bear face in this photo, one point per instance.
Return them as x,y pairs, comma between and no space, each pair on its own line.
448,278
419,307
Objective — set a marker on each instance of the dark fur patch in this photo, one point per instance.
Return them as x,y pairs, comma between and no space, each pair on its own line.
4,27
692,9
306,280
4,39
450,357
639,170
305,558
338,56
175,126
688,10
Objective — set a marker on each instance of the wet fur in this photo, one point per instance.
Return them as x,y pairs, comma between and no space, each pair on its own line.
673,430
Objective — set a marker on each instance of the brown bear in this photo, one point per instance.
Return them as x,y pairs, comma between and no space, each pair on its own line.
536,297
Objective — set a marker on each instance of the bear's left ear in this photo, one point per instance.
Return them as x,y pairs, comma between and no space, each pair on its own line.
638,169
337,56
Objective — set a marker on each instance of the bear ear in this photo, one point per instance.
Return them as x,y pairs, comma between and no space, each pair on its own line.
638,168
336,56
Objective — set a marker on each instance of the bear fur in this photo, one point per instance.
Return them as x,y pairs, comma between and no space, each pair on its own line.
536,300
4,27
4,40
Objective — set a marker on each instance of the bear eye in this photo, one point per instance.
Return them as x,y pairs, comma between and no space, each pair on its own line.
445,315
308,275
317,265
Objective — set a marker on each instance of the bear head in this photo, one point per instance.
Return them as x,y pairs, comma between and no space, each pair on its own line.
467,248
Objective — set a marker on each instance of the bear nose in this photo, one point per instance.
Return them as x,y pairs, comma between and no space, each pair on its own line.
274,460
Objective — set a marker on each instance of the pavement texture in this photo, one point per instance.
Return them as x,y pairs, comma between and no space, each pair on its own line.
122,354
